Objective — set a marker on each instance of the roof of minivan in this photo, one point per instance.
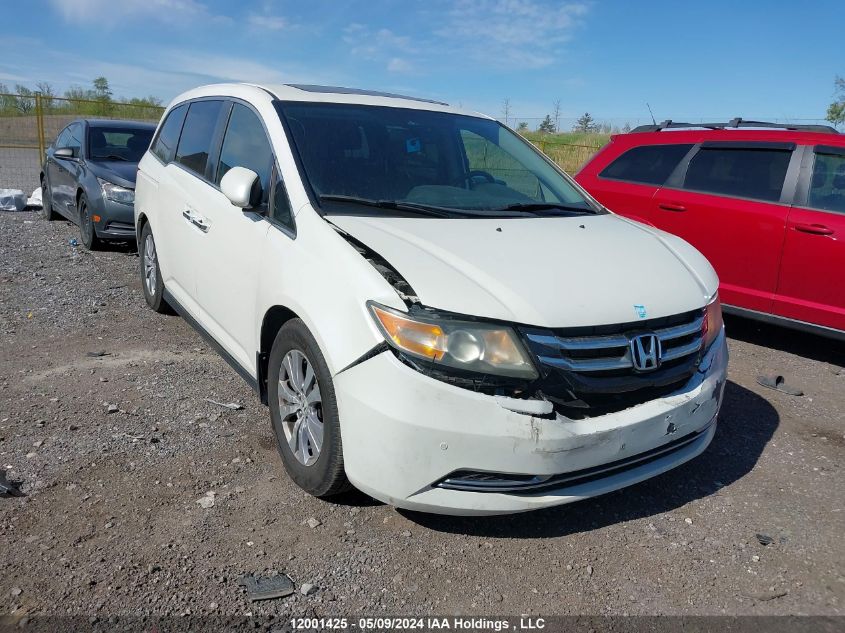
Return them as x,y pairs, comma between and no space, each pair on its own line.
323,94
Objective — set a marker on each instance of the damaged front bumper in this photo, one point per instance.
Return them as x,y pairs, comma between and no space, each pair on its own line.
421,444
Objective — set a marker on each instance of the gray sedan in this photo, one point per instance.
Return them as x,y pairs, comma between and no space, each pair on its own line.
88,176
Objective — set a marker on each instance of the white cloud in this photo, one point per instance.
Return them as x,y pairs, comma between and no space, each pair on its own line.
111,12
509,34
264,21
399,65
512,33
375,44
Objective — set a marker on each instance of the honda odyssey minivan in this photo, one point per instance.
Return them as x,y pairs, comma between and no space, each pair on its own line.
434,313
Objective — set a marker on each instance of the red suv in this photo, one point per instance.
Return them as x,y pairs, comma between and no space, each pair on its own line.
765,205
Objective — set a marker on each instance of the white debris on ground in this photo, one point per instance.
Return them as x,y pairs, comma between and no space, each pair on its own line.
12,200
35,199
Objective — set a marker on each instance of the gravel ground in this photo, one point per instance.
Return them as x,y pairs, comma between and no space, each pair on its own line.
112,526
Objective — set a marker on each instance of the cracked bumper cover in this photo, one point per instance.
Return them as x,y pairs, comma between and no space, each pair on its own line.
403,432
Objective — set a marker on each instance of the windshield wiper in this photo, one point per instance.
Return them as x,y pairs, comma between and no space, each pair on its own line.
412,207
110,157
540,206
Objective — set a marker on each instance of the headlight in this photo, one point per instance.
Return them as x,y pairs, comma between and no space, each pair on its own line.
116,192
476,347
712,321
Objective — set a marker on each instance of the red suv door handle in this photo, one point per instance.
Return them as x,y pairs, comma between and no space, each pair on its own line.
666,206
815,229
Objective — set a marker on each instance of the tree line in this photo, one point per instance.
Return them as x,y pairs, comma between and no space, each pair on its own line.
586,123
98,99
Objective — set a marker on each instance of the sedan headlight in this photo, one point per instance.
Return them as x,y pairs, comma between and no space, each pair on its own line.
116,193
484,348
712,321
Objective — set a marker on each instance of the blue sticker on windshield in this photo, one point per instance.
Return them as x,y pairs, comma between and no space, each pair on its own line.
413,145
640,311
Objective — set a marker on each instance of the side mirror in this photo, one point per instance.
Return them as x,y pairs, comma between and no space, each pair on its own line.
242,187
63,152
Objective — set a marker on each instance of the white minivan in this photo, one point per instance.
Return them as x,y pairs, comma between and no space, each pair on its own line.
433,311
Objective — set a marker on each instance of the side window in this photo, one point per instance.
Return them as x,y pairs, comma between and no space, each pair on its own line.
246,145
827,187
647,164
281,211
74,140
198,135
485,156
62,138
165,144
739,172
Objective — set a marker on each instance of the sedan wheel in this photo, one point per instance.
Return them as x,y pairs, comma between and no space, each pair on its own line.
86,225
47,200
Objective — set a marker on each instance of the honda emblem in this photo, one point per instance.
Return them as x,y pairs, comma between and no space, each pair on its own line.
646,352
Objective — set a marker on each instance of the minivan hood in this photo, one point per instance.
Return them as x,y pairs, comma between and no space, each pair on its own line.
119,172
547,272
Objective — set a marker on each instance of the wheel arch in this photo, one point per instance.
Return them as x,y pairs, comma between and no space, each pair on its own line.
140,223
275,317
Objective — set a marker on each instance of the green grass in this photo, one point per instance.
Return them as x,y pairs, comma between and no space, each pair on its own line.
591,139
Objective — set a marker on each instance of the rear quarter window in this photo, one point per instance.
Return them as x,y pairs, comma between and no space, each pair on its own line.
647,164
165,144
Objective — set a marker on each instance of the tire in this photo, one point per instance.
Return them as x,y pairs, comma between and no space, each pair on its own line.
151,281
305,421
47,201
86,225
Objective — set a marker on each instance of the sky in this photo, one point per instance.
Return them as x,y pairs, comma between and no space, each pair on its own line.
690,60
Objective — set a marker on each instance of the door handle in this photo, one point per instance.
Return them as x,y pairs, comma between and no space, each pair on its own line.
814,229
668,206
201,224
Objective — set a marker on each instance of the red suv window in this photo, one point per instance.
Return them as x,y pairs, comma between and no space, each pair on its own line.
827,187
648,164
739,172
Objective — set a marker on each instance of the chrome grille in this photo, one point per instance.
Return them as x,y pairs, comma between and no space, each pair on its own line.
612,352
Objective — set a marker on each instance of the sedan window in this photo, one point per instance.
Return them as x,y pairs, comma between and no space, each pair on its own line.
112,143
74,141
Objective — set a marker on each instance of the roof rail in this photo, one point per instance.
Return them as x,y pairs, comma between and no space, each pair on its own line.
735,123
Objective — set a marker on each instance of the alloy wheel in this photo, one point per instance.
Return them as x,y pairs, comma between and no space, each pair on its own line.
85,224
150,265
301,407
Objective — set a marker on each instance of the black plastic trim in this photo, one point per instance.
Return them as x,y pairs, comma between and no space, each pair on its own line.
529,485
786,322
772,145
375,351
829,149
233,363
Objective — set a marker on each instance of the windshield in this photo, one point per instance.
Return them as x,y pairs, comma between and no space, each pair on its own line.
114,143
356,153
